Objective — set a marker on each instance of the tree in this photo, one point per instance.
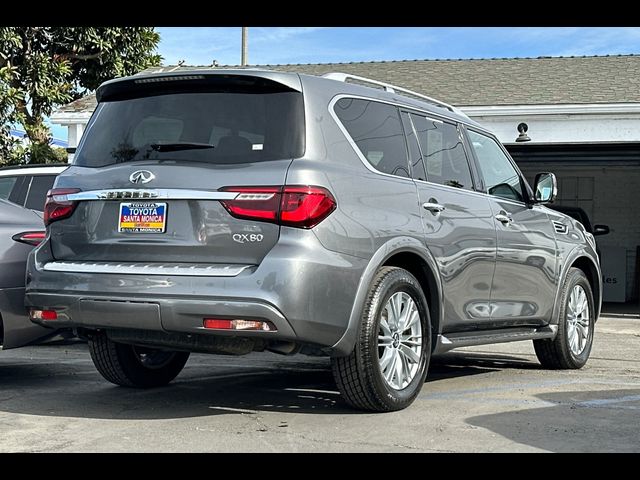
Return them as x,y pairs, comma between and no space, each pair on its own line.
42,67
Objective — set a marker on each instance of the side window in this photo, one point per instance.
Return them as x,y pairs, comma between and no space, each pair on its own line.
444,157
500,177
40,185
6,185
19,192
376,129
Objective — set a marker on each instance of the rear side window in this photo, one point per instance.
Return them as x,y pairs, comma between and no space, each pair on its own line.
220,127
376,130
6,185
444,157
19,191
37,194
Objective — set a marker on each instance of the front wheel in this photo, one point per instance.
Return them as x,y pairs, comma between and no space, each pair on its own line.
134,366
572,345
389,363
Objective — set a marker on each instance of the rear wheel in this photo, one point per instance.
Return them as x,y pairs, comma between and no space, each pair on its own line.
389,363
134,366
572,345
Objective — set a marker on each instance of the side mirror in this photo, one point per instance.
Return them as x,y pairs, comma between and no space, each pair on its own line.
600,230
545,188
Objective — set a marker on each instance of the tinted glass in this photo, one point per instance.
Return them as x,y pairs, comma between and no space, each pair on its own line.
376,129
213,127
6,185
444,157
40,185
415,156
19,191
500,176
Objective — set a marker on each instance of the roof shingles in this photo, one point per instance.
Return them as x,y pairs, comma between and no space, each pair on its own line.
476,82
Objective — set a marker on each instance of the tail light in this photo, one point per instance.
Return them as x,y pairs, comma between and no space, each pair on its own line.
58,206
30,238
291,205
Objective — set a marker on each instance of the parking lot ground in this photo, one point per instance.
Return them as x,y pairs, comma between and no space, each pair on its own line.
482,399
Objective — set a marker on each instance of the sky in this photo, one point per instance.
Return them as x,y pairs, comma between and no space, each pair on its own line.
277,45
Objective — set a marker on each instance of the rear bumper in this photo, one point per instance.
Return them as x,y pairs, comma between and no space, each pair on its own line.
304,290
17,329
157,314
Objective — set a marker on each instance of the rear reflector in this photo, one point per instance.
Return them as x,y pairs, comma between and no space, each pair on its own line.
30,238
224,324
300,206
43,315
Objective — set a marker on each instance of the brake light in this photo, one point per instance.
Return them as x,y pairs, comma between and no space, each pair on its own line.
30,238
292,205
58,206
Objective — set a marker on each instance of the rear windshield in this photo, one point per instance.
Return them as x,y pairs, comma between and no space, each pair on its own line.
213,127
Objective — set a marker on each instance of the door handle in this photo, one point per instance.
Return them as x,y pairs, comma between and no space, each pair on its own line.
433,207
504,218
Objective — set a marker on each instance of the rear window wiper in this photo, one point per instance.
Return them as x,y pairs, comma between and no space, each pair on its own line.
172,147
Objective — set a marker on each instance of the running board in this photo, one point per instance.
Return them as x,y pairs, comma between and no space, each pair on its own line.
469,339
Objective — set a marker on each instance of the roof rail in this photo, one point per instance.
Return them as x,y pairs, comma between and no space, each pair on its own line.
343,77
34,165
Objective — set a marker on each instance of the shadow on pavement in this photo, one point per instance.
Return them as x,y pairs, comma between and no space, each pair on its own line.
573,422
460,364
45,381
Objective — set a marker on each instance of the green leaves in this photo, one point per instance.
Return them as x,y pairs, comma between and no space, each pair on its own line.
43,67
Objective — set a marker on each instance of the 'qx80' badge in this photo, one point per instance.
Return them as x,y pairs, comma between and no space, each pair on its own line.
141,176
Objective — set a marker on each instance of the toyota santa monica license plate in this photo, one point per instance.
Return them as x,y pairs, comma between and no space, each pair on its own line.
142,217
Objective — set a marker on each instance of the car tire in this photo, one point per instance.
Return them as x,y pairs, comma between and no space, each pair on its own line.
572,345
132,366
367,378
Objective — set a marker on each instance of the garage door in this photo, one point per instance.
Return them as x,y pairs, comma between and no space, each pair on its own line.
577,192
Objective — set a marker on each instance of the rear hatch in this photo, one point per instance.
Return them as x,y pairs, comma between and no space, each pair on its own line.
156,160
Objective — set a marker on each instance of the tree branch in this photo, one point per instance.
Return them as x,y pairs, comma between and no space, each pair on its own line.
21,107
79,56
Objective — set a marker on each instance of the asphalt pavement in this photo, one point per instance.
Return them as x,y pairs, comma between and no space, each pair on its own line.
483,399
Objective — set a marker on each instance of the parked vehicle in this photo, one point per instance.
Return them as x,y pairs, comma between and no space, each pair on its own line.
27,185
23,190
230,211
20,230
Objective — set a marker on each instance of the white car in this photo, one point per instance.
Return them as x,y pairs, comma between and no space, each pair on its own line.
27,185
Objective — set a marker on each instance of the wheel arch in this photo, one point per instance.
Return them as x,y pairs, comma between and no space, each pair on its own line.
418,267
587,262
592,273
413,256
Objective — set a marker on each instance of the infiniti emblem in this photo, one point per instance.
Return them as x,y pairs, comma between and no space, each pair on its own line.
141,176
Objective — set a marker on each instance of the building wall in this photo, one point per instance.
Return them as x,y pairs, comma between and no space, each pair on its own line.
565,128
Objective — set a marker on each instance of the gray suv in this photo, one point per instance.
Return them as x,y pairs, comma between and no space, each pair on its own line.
232,211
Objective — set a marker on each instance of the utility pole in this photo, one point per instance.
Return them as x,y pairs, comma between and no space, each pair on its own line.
245,47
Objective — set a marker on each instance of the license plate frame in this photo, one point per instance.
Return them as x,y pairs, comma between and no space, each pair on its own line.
142,217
